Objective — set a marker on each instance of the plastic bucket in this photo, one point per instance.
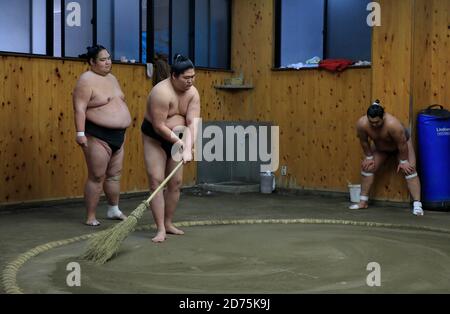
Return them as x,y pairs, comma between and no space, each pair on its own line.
267,184
355,191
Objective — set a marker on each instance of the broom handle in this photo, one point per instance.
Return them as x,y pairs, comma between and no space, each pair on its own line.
147,202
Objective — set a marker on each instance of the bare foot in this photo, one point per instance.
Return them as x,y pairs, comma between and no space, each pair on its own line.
361,205
93,223
172,230
160,237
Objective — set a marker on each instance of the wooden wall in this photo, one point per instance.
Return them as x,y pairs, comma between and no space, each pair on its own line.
316,110
40,159
431,54
391,72
410,63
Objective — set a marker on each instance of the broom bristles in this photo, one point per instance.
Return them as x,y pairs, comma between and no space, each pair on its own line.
105,245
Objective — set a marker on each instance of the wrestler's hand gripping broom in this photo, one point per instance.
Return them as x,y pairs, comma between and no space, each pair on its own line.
105,244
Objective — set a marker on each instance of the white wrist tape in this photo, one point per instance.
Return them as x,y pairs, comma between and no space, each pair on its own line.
403,161
412,176
79,134
369,157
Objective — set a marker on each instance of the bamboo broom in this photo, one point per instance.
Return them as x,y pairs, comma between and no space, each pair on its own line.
103,246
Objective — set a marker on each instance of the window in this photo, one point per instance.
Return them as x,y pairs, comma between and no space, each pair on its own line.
38,26
78,28
199,29
327,29
64,28
129,29
119,28
23,25
161,27
212,33
56,21
180,18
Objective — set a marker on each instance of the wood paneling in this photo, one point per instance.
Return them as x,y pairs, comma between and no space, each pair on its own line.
40,159
440,43
315,110
422,83
391,80
410,64
431,54
392,57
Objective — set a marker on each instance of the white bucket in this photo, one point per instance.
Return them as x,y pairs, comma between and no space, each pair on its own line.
267,183
355,191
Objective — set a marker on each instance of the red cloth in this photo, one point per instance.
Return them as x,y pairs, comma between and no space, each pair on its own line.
335,65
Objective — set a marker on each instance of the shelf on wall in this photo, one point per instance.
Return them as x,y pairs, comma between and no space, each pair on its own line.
233,86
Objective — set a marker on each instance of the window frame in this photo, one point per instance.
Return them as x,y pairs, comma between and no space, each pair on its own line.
150,34
95,30
151,45
277,39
